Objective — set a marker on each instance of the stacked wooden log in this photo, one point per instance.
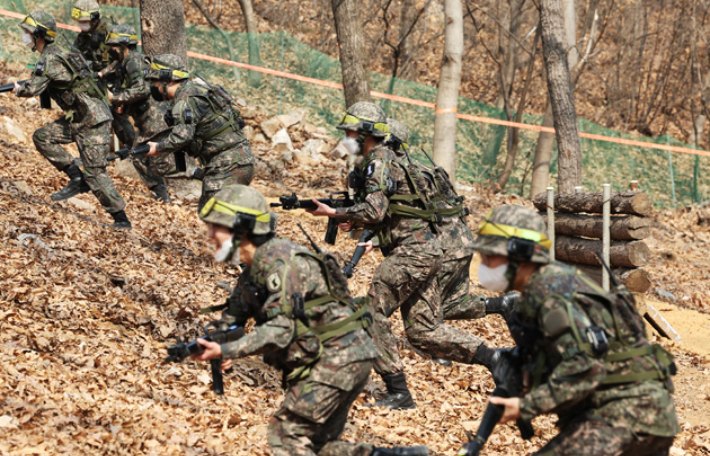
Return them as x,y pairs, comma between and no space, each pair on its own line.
578,234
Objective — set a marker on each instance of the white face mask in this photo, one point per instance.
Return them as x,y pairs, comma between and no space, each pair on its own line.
493,278
28,40
222,254
352,145
84,26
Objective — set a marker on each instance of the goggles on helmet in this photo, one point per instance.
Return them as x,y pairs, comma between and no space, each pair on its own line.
79,15
32,23
166,73
365,125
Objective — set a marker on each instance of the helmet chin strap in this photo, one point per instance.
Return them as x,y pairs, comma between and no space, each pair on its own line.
511,272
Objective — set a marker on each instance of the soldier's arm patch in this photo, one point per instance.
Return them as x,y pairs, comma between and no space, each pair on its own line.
370,169
273,282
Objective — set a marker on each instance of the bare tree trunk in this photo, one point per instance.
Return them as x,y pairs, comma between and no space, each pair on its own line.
163,28
226,37
543,156
406,38
447,96
253,40
561,96
346,14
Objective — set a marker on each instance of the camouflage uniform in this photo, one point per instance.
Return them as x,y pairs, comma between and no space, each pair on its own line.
609,401
92,45
408,277
133,93
87,122
226,157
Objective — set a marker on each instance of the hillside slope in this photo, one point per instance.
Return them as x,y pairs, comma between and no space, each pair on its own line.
86,313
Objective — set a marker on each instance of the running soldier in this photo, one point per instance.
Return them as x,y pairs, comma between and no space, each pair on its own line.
584,351
71,83
308,326
91,40
407,279
205,123
130,97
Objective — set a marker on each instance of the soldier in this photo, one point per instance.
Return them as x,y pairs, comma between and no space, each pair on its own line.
407,278
205,123
130,97
585,351
91,41
87,122
456,240
307,325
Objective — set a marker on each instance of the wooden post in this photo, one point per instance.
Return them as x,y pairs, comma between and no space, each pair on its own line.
634,186
606,235
551,220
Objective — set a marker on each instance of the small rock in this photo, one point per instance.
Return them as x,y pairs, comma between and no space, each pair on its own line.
276,165
281,141
81,204
315,147
32,102
292,118
287,156
249,112
271,126
339,153
249,132
259,138
305,158
125,168
667,295
13,130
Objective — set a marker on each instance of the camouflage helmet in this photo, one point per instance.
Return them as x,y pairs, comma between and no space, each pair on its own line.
167,67
240,208
515,232
365,118
86,10
41,25
122,34
398,130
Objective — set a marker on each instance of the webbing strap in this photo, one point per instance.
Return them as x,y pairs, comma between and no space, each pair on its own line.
343,326
634,377
631,353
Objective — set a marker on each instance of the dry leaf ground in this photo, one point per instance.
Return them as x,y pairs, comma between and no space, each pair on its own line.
86,313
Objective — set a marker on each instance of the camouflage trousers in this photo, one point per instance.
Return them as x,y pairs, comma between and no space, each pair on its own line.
314,414
410,279
597,438
227,168
454,279
94,144
152,169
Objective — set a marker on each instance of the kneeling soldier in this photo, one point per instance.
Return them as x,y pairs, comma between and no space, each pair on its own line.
585,351
308,326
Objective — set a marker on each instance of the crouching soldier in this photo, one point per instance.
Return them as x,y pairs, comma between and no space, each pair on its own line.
71,83
585,352
308,326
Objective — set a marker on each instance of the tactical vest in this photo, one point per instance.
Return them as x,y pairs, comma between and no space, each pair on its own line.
225,115
433,197
614,332
83,78
307,345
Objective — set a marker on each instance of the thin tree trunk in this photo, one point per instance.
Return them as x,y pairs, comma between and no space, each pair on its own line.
163,28
253,40
543,156
226,37
346,14
406,38
561,96
448,92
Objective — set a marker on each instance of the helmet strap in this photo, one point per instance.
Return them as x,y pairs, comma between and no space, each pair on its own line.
511,272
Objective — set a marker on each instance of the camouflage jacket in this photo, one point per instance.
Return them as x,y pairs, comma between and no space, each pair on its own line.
570,380
381,179
266,291
71,88
453,233
196,117
131,87
92,45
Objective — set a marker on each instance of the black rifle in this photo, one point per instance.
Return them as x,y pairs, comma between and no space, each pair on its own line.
45,101
349,268
509,383
337,199
127,152
215,331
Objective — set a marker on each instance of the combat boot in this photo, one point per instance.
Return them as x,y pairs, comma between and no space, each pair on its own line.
503,305
161,193
398,396
121,221
420,450
76,184
488,357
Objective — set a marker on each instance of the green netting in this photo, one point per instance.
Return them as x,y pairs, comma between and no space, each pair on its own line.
669,178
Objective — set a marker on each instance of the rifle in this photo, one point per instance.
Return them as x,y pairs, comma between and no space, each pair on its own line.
127,152
509,383
349,268
335,200
215,331
45,101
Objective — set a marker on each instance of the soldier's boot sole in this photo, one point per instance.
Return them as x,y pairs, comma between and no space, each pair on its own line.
75,187
397,401
419,450
442,361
